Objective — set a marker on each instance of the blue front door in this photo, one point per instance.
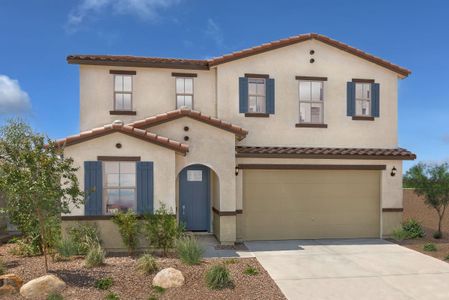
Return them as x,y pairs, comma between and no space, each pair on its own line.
194,198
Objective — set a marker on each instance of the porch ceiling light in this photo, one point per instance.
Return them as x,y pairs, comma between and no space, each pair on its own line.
393,171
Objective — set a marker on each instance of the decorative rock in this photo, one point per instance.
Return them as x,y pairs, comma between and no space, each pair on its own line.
10,284
168,278
41,287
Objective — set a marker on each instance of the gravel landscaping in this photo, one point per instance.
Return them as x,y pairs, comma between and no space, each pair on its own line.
130,284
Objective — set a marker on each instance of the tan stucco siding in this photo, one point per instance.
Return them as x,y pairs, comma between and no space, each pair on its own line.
292,204
163,159
339,67
153,93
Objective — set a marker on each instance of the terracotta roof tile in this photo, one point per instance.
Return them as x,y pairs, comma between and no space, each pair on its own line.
140,61
320,152
196,115
125,129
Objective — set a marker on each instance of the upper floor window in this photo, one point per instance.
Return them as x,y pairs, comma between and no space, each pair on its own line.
119,186
362,99
311,101
256,95
123,92
184,92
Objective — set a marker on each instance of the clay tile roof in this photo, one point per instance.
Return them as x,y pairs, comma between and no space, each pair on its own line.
179,63
179,113
312,152
128,130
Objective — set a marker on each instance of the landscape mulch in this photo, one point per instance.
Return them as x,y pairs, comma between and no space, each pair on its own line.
130,284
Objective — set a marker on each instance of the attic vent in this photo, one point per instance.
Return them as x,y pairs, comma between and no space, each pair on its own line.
118,122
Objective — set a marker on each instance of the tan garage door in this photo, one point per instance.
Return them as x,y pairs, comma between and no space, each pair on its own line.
305,204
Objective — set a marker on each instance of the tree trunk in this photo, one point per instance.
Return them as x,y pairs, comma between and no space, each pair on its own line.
43,237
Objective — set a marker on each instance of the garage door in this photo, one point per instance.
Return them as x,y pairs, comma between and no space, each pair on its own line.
306,204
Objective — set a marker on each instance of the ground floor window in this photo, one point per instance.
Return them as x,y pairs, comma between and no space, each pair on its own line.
119,186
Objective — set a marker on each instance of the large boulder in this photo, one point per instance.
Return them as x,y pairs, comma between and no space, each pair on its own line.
168,278
10,284
41,287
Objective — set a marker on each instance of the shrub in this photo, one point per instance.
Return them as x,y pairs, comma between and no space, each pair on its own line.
413,229
55,296
85,236
430,247
250,270
231,261
162,229
2,267
112,296
67,248
104,283
218,277
437,235
399,234
189,251
146,264
26,247
158,289
95,257
128,226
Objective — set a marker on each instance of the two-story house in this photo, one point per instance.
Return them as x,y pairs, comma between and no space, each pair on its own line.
293,139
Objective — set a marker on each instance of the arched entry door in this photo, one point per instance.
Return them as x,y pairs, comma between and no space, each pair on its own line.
194,198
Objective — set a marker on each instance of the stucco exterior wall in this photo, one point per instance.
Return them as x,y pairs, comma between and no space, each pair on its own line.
163,159
153,93
283,65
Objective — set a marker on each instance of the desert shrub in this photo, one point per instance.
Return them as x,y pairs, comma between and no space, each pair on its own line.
250,270
112,296
399,234
104,283
413,229
231,261
146,264
128,226
27,246
189,251
218,277
95,257
158,289
2,267
162,229
430,247
85,236
55,296
437,235
67,247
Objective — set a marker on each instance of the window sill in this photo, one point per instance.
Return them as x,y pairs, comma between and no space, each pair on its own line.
123,112
257,115
311,125
362,118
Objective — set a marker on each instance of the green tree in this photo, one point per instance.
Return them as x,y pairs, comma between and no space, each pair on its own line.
432,182
38,181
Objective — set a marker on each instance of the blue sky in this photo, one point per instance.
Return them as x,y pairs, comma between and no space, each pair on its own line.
37,84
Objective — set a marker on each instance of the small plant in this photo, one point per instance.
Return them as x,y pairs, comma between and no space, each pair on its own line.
158,289
162,229
430,247
437,235
146,264
218,277
189,251
26,247
250,270
446,257
84,236
55,296
95,257
152,298
112,296
231,261
128,226
66,248
399,234
413,229
103,283
2,267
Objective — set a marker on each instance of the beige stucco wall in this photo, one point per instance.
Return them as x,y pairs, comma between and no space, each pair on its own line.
283,65
153,93
163,159
390,221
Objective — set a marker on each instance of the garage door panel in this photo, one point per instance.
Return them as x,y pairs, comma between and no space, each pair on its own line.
280,204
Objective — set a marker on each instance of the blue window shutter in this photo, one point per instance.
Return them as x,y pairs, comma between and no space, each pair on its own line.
93,187
375,104
270,95
350,96
243,95
145,188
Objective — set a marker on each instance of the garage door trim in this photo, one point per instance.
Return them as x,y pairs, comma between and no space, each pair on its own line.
310,167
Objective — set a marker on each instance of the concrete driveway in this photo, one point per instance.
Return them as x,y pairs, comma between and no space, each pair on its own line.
351,269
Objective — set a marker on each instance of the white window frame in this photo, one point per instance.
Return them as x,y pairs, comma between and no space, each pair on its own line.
367,100
184,93
311,101
119,187
122,92
259,96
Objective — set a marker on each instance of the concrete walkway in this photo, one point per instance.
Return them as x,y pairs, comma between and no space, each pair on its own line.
352,269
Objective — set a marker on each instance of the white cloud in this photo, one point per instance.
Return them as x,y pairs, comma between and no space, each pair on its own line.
13,99
214,32
145,9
